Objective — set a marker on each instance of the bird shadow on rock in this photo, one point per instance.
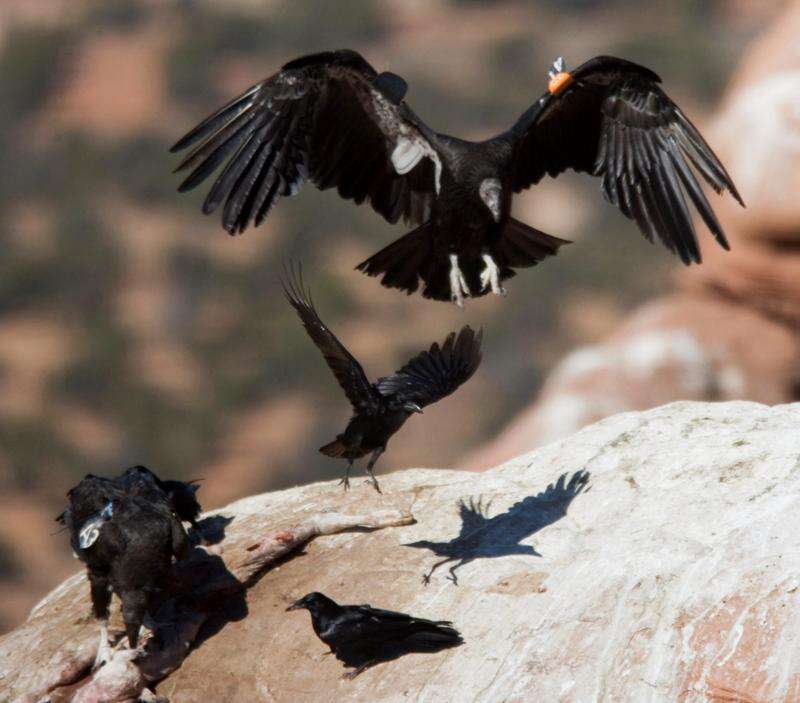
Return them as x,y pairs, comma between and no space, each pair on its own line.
205,597
482,537
212,528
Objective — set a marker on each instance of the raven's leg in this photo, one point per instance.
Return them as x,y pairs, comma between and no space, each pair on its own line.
346,480
361,669
134,607
101,596
490,276
458,284
375,456
426,579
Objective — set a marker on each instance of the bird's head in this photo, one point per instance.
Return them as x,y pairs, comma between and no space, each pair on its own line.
490,191
412,408
311,601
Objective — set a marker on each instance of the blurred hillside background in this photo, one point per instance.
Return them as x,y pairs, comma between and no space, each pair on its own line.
134,330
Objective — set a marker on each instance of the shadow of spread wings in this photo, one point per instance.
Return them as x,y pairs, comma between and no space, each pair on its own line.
614,121
324,117
347,370
474,517
436,373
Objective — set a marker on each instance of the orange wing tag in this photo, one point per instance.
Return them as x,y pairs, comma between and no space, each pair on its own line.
559,82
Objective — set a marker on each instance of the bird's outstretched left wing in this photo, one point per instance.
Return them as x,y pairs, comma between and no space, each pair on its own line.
436,373
330,118
611,118
347,370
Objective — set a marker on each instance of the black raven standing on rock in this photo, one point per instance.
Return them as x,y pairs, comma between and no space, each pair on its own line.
361,636
332,119
127,532
381,408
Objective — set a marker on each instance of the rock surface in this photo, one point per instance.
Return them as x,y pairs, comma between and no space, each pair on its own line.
650,557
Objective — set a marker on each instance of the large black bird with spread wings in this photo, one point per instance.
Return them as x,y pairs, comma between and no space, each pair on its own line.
332,119
380,409
362,636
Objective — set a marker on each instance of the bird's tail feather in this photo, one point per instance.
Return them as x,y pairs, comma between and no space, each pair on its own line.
521,246
435,636
334,449
411,258
402,262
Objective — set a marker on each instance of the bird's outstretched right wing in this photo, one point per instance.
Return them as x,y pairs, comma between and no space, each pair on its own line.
436,373
347,370
612,119
329,118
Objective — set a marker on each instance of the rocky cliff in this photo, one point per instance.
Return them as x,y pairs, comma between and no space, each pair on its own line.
650,557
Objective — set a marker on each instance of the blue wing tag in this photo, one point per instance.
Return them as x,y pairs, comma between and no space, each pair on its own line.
91,528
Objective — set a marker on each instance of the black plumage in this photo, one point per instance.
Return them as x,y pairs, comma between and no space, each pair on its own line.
361,636
332,119
380,409
126,532
182,495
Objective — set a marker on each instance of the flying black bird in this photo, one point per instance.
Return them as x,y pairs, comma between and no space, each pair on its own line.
361,636
381,408
332,119
126,532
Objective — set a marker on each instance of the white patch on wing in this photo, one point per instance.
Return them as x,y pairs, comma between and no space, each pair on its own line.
410,146
406,155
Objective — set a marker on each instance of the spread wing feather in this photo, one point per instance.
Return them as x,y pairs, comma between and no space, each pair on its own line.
323,118
347,370
614,121
436,373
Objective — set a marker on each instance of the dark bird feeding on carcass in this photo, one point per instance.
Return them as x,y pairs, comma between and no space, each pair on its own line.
182,495
126,532
361,636
381,408
330,118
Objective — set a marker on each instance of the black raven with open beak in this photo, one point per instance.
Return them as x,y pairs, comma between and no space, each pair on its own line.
361,636
332,119
380,409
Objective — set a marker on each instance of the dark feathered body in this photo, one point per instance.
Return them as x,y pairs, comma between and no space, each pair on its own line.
381,408
182,496
332,119
367,432
360,635
133,551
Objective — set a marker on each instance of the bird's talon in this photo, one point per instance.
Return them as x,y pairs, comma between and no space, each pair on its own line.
346,483
490,276
458,284
374,483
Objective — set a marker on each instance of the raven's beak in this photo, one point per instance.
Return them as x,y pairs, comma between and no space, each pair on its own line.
295,606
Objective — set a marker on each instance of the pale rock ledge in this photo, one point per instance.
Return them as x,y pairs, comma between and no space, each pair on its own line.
672,574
